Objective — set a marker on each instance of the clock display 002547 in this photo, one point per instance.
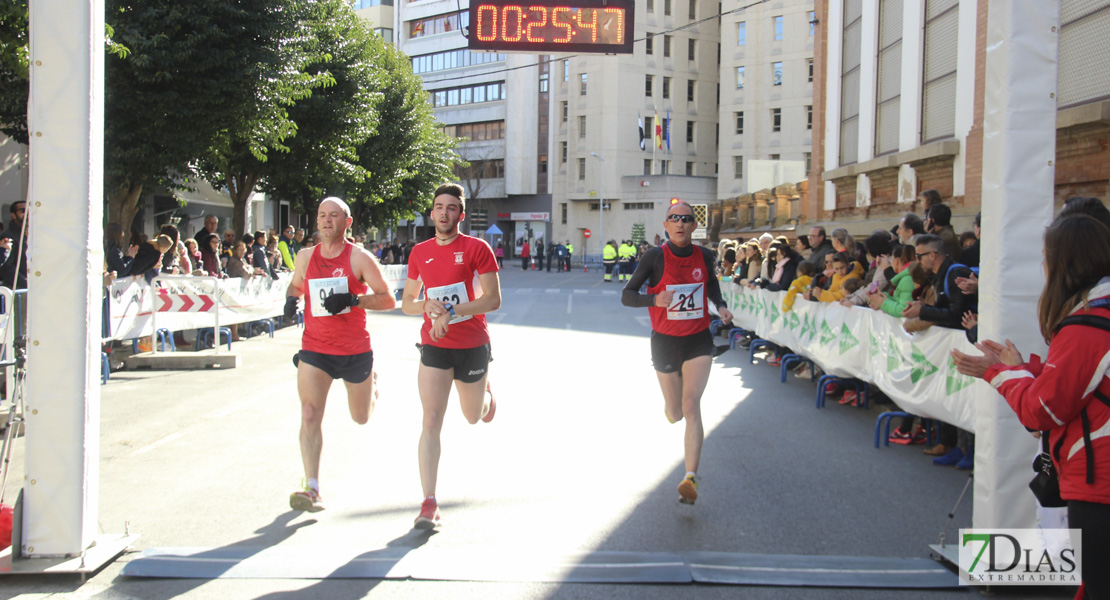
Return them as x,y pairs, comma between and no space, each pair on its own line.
602,26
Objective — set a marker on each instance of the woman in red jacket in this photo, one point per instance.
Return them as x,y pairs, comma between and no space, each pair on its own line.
1067,397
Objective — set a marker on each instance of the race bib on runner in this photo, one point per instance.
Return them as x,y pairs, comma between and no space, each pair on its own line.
688,302
321,289
453,294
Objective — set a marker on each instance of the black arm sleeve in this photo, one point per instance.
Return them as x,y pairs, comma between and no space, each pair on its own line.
713,287
650,270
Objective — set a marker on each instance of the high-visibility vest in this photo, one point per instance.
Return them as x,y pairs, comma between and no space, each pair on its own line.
570,248
610,253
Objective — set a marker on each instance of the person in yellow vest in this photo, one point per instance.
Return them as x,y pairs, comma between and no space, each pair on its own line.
609,259
569,256
626,253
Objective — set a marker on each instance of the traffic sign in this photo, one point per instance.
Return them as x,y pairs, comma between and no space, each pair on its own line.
587,233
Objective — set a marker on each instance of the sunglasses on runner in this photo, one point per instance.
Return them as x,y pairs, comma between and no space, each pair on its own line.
681,218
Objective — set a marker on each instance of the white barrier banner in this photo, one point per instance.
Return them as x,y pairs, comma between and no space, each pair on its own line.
914,370
185,302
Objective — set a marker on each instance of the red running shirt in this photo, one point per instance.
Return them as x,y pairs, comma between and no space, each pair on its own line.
448,274
686,277
343,334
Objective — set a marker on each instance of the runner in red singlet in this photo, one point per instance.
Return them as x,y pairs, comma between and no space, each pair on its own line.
681,279
454,339
340,282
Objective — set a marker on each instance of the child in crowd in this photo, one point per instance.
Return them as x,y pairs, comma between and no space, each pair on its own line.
841,273
799,285
902,260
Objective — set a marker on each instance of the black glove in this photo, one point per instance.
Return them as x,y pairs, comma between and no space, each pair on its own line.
290,307
335,303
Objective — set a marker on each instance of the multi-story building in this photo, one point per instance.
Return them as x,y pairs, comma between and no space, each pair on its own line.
766,114
900,106
497,105
13,174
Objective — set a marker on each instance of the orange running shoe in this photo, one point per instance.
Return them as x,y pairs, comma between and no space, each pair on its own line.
429,515
688,489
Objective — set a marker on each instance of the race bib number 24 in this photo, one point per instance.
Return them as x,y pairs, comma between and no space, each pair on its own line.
688,302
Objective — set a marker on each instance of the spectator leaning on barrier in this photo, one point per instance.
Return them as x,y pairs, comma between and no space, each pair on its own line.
259,257
148,258
901,261
951,302
785,269
1067,396
799,285
821,246
877,246
210,256
117,260
192,252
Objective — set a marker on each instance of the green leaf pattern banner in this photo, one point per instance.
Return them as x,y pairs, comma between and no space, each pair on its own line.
915,370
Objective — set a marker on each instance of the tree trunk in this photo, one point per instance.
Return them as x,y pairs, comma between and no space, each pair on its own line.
240,186
123,205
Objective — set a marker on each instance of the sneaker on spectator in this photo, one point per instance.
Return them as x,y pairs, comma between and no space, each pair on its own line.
774,361
307,500
746,342
899,437
954,455
967,463
849,397
429,515
688,489
831,389
919,436
805,372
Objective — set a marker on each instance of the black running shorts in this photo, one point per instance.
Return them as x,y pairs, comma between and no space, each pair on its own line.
354,368
668,352
470,364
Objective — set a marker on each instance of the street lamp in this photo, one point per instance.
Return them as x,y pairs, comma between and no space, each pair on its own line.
601,204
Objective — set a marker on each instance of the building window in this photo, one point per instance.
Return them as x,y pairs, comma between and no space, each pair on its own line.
666,88
477,132
938,107
386,33
693,9
638,205
690,90
581,169
486,169
581,126
452,59
565,110
664,166
774,156
689,133
543,83
647,166
542,164
851,49
648,85
563,152
778,28
809,116
812,22
689,168
360,4
649,44
740,123
810,66
776,119
439,24
666,46
776,73
489,92
809,162
691,47
563,212
582,85
651,6
667,7
738,167
889,85
739,78
741,33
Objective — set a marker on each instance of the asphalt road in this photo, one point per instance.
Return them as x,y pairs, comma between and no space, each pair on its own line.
579,458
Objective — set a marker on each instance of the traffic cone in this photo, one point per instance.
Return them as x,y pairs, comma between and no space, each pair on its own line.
533,264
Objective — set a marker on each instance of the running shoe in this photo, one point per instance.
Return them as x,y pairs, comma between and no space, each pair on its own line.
429,515
806,372
899,437
919,436
774,361
849,397
492,405
688,489
307,500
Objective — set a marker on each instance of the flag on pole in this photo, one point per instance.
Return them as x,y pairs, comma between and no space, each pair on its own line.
668,130
640,120
658,132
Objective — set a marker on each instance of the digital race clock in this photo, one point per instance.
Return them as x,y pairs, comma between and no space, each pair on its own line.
540,26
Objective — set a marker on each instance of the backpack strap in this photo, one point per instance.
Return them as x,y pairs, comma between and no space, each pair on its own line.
1097,322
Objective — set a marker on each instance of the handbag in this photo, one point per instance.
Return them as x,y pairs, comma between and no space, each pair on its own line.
1046,483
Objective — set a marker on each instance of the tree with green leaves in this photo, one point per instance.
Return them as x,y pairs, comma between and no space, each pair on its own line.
197,69
408,157
14,66
322,158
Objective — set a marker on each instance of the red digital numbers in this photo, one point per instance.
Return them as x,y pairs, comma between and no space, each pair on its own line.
549,23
